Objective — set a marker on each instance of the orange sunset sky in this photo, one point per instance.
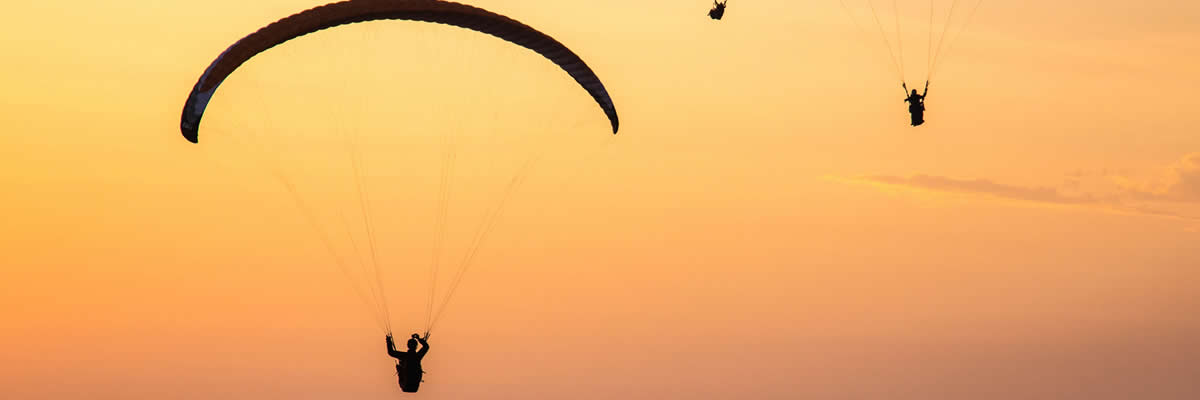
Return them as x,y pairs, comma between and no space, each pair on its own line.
766,225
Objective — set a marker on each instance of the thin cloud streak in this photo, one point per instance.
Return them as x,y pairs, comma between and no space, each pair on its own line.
981,186
1179,185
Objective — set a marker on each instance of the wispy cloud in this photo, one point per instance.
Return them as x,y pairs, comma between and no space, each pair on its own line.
981,186
1177,186
1180,183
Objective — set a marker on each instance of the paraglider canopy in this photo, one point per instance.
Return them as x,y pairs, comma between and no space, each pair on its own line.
718,9
352,11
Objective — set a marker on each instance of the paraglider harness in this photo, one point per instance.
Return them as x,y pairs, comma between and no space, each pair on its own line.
718,9
400,371
408,382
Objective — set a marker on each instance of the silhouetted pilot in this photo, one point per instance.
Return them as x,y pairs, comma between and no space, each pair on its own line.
408,364
916,104
718,9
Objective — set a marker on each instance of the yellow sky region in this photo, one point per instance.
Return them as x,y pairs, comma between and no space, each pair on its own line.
766,225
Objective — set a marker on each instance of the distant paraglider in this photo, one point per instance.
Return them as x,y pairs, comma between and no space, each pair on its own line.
718,9
947,20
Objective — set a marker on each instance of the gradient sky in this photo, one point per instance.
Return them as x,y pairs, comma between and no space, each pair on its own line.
766,225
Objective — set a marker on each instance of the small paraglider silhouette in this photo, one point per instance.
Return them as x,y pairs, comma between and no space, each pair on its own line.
718,9
916,103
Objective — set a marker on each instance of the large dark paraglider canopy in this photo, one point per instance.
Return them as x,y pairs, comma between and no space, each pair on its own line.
347,12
